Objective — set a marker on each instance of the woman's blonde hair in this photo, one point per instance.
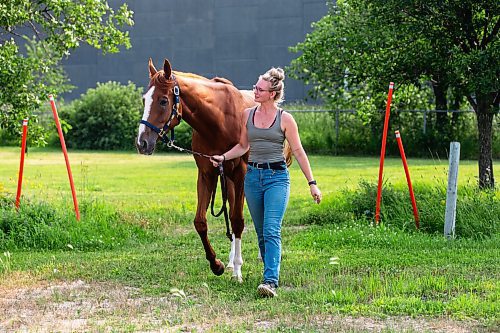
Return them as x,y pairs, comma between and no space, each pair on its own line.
287,152
276,76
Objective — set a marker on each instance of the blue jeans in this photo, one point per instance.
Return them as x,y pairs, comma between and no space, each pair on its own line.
267,192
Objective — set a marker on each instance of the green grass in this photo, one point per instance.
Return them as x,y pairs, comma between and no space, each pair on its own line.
159,181
329,271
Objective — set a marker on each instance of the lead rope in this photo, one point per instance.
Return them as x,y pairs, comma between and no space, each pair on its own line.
224,201
223,186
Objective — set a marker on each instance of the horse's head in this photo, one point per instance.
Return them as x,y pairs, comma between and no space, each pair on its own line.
162,109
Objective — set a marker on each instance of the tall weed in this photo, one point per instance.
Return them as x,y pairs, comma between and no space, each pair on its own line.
477,216
39,225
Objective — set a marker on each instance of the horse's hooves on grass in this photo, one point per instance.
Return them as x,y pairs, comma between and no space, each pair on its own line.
217,268
230,267
236,278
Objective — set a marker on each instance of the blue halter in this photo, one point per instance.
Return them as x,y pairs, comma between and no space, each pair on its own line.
162,132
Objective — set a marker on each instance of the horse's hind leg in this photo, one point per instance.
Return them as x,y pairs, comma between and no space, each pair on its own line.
230,265
206,184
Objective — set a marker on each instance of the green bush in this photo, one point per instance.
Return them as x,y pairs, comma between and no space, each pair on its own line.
105,118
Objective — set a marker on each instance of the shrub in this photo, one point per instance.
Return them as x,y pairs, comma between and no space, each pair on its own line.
106,117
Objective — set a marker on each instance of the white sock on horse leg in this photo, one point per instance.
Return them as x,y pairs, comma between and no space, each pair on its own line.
238,260
230,264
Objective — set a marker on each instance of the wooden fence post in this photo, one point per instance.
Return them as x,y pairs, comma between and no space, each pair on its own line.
337,125
451,193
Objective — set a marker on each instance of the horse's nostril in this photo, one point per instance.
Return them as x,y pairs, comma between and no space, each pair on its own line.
144,145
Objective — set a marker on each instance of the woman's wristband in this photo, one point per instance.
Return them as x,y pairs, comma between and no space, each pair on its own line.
312,182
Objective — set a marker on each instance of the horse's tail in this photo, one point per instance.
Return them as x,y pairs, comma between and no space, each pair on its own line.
287,152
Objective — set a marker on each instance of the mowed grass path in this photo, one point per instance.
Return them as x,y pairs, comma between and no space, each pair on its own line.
335,278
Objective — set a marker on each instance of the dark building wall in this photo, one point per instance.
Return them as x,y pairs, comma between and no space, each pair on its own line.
234,39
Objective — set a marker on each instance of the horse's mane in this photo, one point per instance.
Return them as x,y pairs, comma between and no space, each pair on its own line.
199,77
190,75
222,80
160,80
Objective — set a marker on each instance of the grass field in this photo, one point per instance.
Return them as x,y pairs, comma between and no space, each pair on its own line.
335,277
118,177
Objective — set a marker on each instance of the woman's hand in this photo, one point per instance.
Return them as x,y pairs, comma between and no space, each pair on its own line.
315,192
217,159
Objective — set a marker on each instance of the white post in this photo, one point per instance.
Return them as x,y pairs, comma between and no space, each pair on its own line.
451,193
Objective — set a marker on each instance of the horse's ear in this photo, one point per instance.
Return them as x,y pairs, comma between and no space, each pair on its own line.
167,69
152,69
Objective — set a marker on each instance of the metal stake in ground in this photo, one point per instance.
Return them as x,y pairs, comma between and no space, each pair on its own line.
451,193
382,152
65,152
408,179
21,163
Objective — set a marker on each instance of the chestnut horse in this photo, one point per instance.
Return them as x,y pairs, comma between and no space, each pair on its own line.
214,109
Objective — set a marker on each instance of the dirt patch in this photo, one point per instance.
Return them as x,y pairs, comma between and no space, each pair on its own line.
29,306
406,324
79,306
349,324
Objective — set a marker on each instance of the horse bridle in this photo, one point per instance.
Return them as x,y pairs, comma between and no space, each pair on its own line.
162,132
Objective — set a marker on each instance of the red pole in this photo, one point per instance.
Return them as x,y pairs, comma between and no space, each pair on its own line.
21,163
408,180
382,152
65,152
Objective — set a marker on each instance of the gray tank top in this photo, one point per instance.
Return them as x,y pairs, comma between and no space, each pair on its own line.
266,144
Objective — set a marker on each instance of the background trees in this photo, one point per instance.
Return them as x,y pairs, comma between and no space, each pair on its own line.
50,30
362,45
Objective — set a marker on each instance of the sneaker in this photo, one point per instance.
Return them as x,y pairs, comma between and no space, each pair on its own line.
267,289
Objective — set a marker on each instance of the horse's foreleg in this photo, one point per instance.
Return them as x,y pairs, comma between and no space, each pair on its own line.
216,265
205,187
236,200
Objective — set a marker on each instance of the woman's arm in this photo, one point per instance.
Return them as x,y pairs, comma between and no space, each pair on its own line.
289,126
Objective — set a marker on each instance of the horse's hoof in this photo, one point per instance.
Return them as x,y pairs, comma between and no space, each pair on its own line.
237,278
217,268
230,266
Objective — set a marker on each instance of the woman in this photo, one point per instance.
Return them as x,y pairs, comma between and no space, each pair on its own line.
267,182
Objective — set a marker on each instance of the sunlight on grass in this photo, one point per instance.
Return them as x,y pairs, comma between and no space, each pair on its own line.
136,240
163,180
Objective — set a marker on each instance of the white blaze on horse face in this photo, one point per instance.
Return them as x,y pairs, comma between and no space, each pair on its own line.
148,101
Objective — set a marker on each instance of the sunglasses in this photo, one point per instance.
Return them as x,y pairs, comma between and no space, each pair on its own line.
260,90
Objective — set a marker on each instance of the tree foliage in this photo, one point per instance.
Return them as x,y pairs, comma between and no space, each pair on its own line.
34,38
362,45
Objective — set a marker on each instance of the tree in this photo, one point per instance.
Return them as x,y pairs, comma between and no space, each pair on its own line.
50,30
452,44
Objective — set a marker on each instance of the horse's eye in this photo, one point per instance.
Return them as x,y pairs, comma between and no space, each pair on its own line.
163,102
